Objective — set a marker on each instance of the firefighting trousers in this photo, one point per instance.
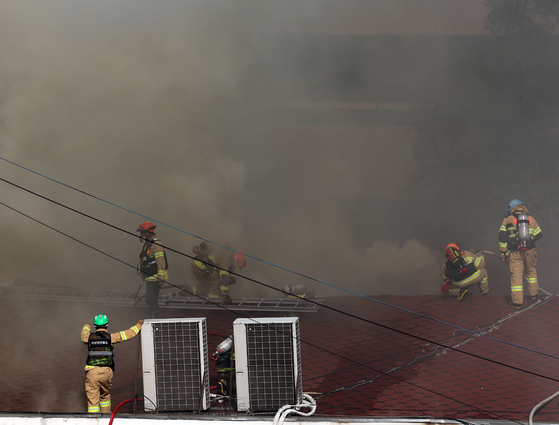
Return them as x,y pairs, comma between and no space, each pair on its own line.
209,288
523,265
98,382
152,297
482,280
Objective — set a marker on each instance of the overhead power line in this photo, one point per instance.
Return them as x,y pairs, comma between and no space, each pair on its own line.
250,256
309,300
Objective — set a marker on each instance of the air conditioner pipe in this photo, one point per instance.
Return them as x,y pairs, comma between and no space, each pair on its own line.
287,409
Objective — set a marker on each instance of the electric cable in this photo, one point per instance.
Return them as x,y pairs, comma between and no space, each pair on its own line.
250,256
271,287
314,345
276,289
254,258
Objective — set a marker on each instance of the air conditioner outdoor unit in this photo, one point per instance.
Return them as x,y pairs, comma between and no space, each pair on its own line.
175,365
267,363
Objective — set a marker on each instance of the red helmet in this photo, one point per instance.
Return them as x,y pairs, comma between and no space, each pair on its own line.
239,259
452,251
446,287
147,227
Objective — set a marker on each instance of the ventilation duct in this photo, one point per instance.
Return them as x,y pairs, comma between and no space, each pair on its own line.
175,365
267,363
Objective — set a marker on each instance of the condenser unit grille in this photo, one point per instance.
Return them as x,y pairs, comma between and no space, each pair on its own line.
273,366
180,365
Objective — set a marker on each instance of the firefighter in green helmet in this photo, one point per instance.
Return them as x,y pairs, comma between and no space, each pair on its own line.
100,365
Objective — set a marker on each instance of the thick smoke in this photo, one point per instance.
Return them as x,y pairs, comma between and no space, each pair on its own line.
154,110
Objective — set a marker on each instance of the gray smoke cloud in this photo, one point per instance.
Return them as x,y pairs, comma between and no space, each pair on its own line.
151,108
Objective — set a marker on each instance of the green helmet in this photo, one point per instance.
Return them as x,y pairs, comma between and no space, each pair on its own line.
101,321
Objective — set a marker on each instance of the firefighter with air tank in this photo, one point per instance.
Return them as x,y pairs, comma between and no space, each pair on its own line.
517,236
224,359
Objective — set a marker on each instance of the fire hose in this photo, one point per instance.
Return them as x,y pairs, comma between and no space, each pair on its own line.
118,407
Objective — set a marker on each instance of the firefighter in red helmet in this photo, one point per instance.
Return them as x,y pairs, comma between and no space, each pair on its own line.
152,266
463,269
212,267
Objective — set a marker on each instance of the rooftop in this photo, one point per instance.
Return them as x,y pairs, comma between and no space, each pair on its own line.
394,356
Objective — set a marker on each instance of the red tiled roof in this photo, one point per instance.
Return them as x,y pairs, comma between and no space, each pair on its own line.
388,364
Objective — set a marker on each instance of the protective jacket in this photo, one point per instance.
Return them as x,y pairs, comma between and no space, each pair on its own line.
212,270
508,233
466,271
100,349
153,261
107,346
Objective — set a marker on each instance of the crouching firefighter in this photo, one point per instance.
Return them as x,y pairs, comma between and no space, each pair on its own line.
224,359
212,267
461,270
100,365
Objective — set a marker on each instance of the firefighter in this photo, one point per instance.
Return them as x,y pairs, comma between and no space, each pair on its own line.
224,359
100,365
153,266
212,267
517,236
461,270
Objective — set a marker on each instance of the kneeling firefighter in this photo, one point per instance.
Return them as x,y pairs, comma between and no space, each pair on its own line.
224,359
461,270
212,267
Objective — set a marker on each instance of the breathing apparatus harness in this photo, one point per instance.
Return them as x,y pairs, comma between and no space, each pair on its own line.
147,264
519,233
203,256
100,349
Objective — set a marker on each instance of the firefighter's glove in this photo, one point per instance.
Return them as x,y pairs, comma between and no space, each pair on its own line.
505,256
140,322
446,286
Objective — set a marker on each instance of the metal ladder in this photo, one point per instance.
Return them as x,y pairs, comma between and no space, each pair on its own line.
166,299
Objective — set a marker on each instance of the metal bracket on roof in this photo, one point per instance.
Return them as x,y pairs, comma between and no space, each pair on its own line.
166,299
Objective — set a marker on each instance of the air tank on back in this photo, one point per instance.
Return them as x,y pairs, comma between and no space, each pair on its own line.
523,227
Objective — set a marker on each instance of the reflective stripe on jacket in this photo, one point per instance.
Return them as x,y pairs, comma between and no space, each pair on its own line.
469,258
